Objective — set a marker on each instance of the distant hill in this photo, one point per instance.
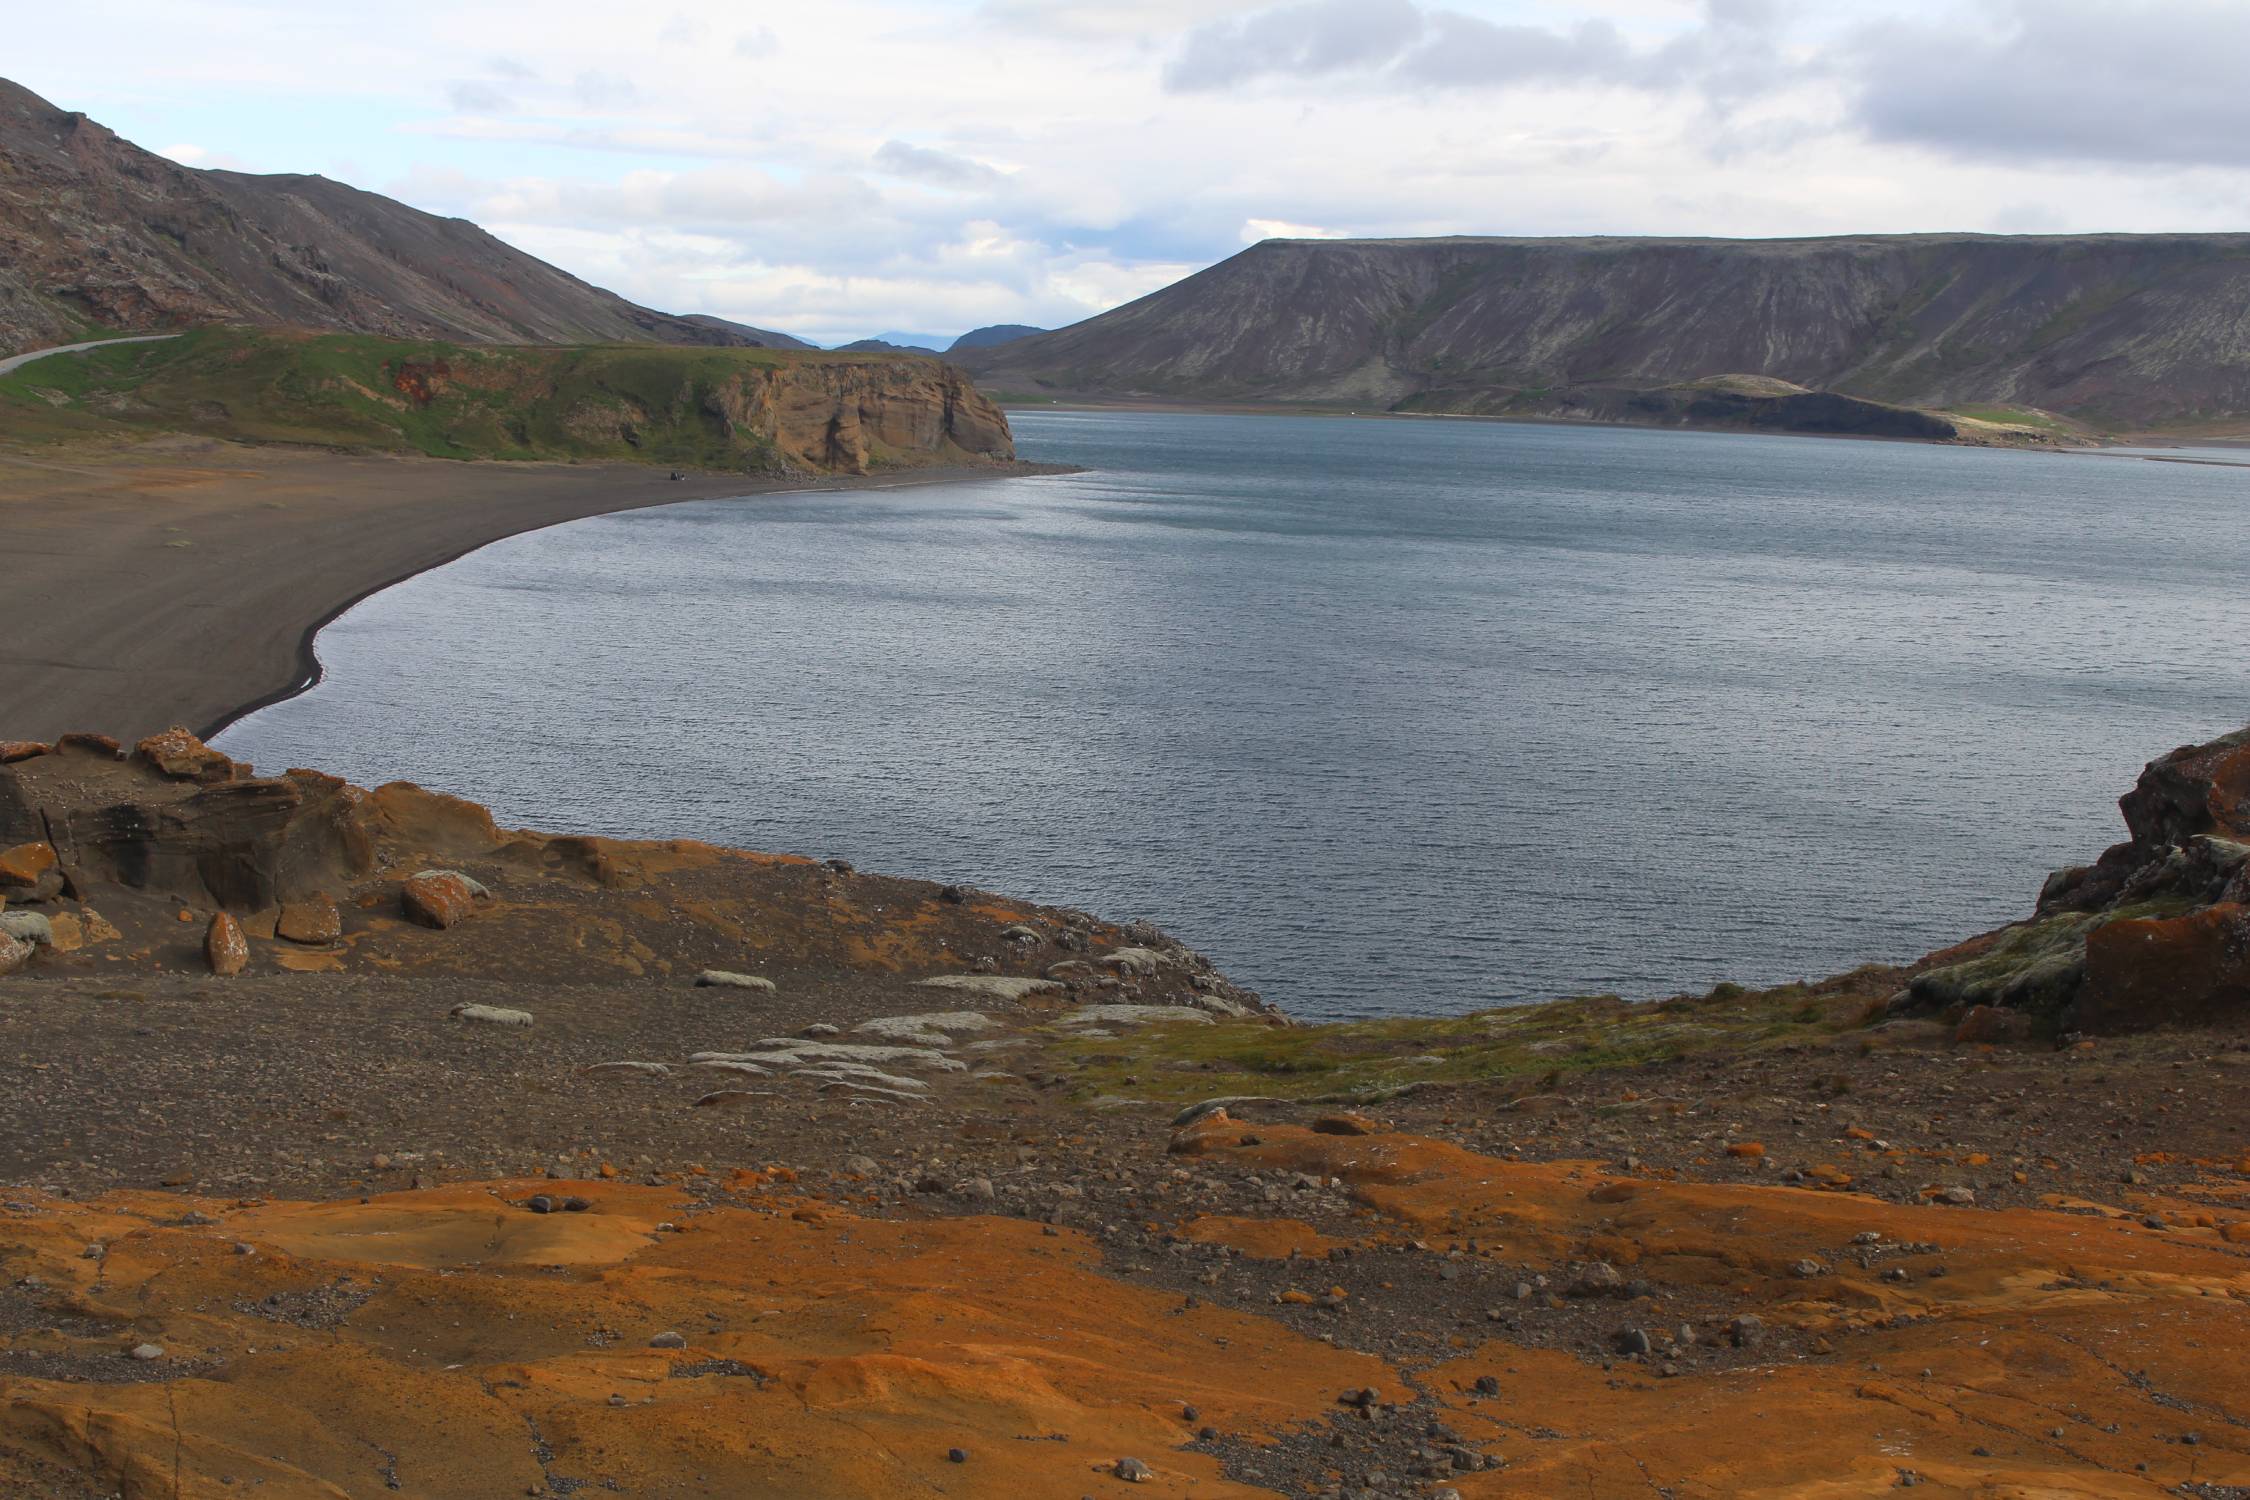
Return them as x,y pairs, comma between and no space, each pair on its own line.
883,346
96,233
991,336
2117,330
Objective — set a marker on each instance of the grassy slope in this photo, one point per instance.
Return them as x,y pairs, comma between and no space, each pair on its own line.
1534,1047
608,401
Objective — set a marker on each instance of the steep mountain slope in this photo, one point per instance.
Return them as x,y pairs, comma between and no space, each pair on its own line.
97,233
2116,329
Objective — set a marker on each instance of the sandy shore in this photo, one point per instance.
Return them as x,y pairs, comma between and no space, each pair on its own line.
181,581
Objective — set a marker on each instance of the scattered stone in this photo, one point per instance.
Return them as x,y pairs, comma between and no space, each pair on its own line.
27,927
490,1015
1132,1471
1130,1015
1634,1341
1600,1279
956,1455
727,979
862,1166
312,921
1009,987
14,954
1807,1268
436,899
625,1070
148,1351
1488,1385
224,947
540,1203
1746,1330
932,1029
820,1029
668,1340
1959,1197
1017,932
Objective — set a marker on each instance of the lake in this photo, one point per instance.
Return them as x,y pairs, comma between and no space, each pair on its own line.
1387,716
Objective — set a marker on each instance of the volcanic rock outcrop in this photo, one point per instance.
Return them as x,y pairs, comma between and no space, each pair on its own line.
2155,932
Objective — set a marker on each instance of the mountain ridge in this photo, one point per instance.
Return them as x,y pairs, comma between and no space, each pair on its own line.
97,233
2114,329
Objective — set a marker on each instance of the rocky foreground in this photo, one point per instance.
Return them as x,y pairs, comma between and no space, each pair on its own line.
361,1147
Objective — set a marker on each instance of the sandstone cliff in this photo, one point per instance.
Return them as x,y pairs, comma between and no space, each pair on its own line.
95,231
2116,330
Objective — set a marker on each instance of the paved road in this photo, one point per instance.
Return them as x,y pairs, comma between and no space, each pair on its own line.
17,361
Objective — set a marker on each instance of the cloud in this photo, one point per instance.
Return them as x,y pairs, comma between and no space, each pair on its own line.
940,168
757,42
1309,39
2122,81
1406,45
1254,230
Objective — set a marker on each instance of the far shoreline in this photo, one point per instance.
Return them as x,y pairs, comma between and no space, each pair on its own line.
2095,446
186,581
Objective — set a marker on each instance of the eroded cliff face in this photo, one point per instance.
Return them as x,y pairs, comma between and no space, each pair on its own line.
2154,933
848,417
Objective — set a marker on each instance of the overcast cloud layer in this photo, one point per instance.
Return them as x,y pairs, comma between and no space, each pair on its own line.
860,165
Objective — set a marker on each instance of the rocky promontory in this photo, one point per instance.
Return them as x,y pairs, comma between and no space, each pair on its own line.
359,1146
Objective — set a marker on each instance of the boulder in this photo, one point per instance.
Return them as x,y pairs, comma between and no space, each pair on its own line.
239,845
2160,971
311,921
436,900
22,866
27,927
14,954
224,946
727,979
181,756
490,1015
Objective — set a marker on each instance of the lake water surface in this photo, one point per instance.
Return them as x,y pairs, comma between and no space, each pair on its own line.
1387,716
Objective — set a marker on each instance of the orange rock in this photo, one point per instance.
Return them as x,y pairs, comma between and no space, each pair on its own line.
1295,1298
1856,1133
180,755
841,1360
2157,971
1345,1122
436,899
25,863
1747,1150
2237,1233
15,750
224,946
313,920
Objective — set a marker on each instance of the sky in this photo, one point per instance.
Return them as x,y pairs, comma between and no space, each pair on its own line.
837,168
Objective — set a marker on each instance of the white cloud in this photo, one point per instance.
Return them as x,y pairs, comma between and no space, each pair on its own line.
1254,230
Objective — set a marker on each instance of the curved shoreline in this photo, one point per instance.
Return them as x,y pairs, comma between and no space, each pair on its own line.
187,582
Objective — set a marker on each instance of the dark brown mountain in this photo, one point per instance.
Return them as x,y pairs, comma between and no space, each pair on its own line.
97,233
2117,330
